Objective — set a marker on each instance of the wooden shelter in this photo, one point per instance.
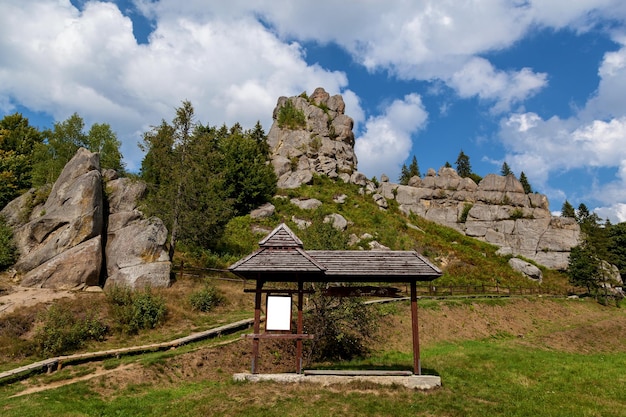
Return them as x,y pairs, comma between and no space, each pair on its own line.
281,258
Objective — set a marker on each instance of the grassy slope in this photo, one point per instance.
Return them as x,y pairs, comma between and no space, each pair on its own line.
464,260
519,357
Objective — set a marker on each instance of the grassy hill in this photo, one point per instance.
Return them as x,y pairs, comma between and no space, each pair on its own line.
464,260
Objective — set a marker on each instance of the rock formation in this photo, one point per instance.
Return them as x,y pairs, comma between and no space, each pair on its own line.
72,241
322,144
497,210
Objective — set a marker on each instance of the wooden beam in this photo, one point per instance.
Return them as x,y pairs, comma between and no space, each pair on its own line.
287,336
417,366
257,325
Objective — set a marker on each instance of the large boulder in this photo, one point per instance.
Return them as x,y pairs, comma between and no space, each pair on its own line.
60,231
135,249
135,254
71,215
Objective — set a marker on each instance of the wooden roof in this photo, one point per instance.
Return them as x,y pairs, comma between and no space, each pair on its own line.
282,258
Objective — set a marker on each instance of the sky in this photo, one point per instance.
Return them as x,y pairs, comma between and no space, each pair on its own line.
538,84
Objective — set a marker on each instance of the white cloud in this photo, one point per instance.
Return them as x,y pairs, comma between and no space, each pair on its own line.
479,78
616,212
386,142
89,62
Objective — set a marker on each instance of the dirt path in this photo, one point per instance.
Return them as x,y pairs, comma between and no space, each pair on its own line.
99,372
19,297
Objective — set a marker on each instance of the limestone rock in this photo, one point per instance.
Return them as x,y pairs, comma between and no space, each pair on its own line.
528,269
76,268
308,204
124,194
497,211
337,221
73,214
323,145
380,201
139,243
301,223
266,210
60,242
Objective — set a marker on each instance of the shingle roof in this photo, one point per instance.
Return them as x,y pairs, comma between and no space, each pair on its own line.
281,258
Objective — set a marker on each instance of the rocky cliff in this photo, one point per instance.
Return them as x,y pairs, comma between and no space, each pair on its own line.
321,142
496,210
87,231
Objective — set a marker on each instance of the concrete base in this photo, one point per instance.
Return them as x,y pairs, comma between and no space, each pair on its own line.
421,382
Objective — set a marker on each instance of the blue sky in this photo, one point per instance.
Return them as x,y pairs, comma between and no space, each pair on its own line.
538,84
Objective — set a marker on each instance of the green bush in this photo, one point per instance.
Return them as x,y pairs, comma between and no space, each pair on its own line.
343,328
135,310
8,250
466,209
205,299
63,331
290,117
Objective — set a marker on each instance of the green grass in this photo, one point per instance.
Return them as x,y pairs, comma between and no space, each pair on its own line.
480,378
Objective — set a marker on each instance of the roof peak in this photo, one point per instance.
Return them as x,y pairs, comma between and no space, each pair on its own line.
283,237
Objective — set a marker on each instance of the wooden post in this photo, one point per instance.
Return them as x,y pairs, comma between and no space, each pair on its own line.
257,325
300,328
417,366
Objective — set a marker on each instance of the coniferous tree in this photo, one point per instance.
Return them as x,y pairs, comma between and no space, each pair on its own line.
201,176
463,167
505,170
410,172
525,184
567,210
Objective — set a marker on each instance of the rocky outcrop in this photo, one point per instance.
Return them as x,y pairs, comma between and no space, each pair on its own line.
322,144
76,238
135,248
496,210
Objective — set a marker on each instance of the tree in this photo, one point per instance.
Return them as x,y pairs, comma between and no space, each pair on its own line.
410,172
463,167
525,184
17,142
617,246
249,177
103,140
567,210
61,143
505,170
201,176
584,267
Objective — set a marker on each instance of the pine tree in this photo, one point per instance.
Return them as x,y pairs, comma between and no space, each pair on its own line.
505,170
567,210
410,172
463,167
525,184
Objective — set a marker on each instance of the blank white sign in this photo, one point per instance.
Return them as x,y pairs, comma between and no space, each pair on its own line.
278,313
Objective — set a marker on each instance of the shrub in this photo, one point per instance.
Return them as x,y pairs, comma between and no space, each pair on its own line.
205,299
63,331
290,117
342,328
466,209
8,250
135,310
518,213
